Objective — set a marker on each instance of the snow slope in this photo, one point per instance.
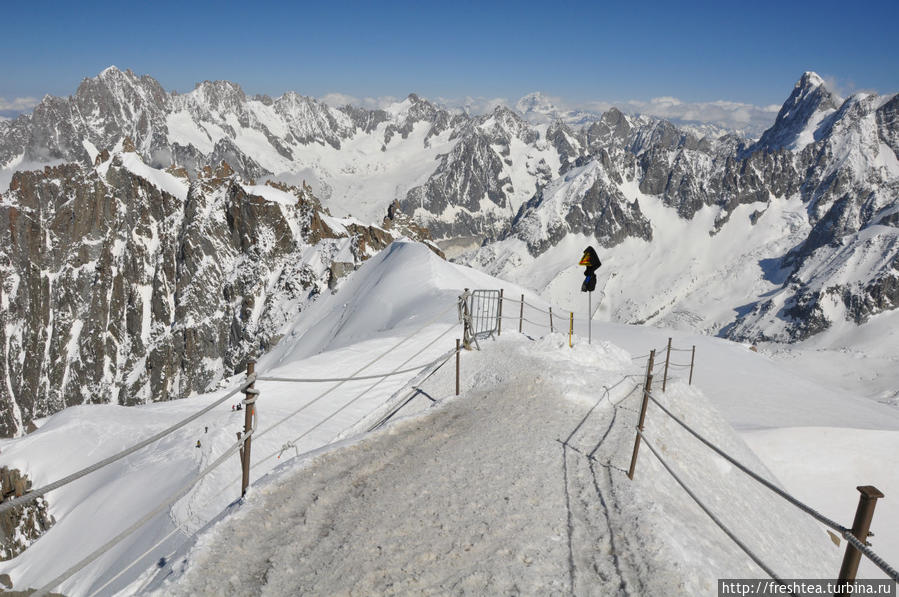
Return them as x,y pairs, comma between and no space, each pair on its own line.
453,466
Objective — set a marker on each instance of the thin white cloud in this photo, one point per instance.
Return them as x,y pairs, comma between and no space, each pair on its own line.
473,105
337,100
18,104
748,118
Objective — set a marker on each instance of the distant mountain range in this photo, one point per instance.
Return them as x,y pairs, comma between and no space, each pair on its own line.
137,266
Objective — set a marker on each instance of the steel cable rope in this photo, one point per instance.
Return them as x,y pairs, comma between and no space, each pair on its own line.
878,561
330,379
181,492
416,387
807,509
709,513
367,390
36,493
136,560
352,375
293,442
246,384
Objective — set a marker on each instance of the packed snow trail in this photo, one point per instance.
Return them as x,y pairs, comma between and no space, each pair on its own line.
495,493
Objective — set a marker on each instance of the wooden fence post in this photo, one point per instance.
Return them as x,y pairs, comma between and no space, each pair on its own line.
521,315
860,528
647,388
250,402
692,358
457,366
499,314
550,320
667,360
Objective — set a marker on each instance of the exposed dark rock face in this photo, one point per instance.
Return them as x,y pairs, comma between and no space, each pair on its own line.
116,291
23,525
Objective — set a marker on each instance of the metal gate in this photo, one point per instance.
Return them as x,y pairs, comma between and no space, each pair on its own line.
481,313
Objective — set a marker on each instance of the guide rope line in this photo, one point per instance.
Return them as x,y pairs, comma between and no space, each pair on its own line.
805,508
329,390
330,379
359,370
136,560
864,549
367,390
36,493
416,387
181,492
709,513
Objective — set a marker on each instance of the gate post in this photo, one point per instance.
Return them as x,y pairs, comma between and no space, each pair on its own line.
499,314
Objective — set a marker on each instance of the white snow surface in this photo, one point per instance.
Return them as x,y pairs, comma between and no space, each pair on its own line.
486,493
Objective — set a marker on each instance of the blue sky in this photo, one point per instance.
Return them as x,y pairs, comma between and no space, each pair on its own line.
750,52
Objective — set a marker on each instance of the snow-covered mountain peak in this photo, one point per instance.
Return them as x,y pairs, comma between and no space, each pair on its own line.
801,115
809,80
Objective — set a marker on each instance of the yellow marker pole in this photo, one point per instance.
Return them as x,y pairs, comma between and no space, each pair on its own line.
570,328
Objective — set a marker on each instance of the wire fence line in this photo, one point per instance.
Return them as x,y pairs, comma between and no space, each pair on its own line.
357,372
746,470
843,531
186,487
367,390
758,561
333,379
162,506
36,493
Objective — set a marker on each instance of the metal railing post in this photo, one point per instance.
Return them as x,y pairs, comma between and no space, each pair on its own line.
521,315
647,388
667,360
692,358
457,366
570,328
499,314
861,527
250,402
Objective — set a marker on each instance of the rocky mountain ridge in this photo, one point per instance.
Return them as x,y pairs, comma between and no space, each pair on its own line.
835,260
155,222
123,284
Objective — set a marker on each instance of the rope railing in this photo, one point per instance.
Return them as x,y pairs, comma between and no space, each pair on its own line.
769,485
758,561
323,394
177,495
355,373
184,489
332,379
843,531
36,493
868,553
365,391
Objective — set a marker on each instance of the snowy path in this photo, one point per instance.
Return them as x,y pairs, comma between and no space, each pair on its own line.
495,493
405,512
